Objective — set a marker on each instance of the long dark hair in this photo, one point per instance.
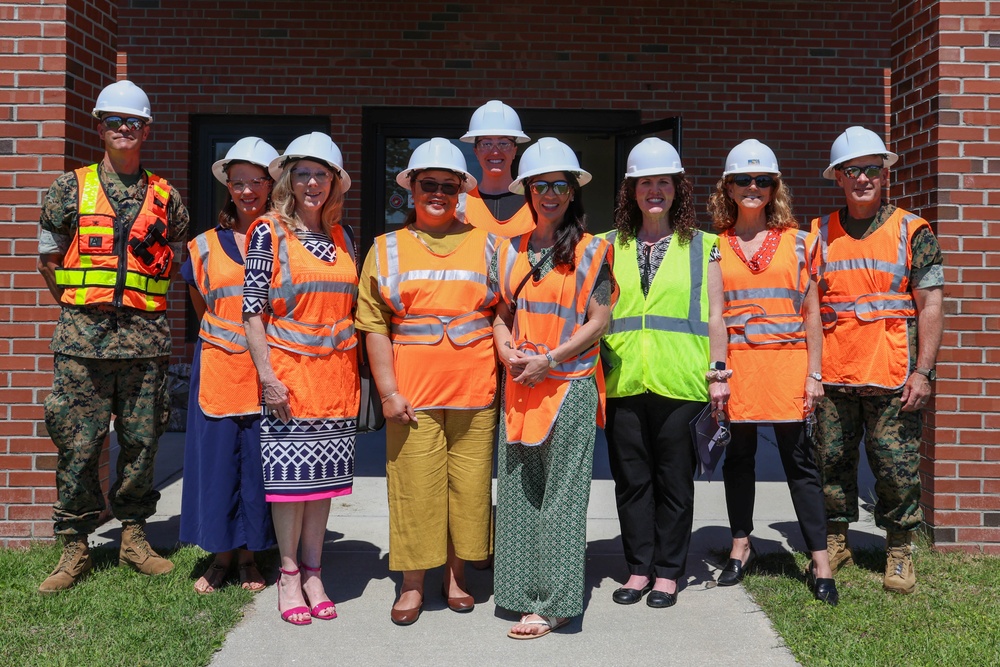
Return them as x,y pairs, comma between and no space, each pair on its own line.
628,215
570,229
229,215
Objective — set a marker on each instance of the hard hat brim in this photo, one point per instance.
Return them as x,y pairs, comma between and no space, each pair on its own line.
278,164
519,137
888,160
125,111
656,171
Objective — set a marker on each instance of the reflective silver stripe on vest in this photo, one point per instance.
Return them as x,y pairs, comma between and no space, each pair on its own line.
211,329
287,289
437,326
800,254
492,240
763,328
866,308
897,270
761,293
390,282
326,343
202,243
622,324
904,248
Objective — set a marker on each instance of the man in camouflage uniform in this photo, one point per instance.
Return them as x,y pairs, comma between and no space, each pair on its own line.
882,299
111,356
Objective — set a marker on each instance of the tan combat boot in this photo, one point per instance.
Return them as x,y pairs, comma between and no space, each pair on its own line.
900,576
73,564
137,553
836,545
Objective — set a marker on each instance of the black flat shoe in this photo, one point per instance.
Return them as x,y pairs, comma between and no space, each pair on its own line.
661,600
631,595
736,569
824,590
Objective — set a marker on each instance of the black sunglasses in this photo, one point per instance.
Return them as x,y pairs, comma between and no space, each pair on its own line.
115,122
870,170
430,186
763,181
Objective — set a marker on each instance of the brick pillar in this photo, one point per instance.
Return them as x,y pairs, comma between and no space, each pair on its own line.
946,127
56,56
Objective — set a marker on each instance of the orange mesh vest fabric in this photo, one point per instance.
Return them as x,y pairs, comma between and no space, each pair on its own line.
479,215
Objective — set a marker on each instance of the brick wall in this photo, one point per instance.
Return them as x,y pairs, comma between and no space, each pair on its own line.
52,62
946,101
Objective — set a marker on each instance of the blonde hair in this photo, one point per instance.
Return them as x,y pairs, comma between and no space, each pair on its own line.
283,200
724,210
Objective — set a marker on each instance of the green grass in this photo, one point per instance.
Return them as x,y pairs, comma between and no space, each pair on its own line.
115,616
952,619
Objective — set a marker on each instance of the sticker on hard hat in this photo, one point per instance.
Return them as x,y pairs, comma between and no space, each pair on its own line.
753,161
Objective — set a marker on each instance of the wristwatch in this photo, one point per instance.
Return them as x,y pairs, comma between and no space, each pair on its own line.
928,373
717,366
816,376
552,362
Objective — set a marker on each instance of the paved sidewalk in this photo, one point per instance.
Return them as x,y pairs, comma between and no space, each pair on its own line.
709,625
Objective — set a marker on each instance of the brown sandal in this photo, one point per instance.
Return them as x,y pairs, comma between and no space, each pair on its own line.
250,577
214,577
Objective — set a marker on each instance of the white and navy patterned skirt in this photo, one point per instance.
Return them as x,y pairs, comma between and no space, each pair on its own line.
308,457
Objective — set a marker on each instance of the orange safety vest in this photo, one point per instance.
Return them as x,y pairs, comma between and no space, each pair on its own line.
310,330
767,340
478,214
92,270
866,300
547,313
229,385
442,319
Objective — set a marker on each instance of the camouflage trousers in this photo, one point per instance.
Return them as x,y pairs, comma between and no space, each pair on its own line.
85,393
892,443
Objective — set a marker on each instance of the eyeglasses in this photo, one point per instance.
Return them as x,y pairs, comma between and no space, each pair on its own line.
869,170
763,181
253,184
560,188
430,186
304,176
115,122
503,145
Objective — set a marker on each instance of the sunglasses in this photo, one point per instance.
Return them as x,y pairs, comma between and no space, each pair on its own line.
869,170
115,122
253,184
763,182
724,435
503,145
304,176
558,187
430,186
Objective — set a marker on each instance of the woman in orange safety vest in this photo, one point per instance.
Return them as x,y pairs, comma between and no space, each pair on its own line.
299,294
558,292
427,309
771,312
223,508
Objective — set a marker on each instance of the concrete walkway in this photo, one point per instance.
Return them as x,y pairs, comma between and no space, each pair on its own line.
709,625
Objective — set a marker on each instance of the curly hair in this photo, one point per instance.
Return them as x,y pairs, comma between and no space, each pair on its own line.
682,217
724,210
229,215
570,229
283,199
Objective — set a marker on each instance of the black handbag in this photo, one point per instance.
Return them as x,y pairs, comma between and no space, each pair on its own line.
370,417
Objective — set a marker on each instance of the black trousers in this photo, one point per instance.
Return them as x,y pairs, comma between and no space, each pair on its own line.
653,462
801,471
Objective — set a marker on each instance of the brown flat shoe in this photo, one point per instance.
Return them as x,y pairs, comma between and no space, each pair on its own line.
462,603
406,616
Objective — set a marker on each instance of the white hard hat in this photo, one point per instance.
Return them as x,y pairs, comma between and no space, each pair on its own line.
123,97
751,157
652,157
438,153
248,149
313,146
545,155
495,119
855,142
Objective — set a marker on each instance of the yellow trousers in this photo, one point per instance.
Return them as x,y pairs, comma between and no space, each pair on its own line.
438,474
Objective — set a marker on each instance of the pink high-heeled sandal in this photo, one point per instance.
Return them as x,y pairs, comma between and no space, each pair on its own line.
286,615
322,606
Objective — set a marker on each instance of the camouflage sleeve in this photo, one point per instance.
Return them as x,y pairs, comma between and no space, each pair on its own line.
926,267
178,220
57,222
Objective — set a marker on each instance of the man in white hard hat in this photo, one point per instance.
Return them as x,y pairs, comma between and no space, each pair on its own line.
495,129
109,233
881,295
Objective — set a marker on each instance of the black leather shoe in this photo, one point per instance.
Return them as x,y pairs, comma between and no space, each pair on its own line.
736,569
661,600
824,590
631,595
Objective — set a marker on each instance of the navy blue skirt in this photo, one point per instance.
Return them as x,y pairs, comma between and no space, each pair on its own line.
222,501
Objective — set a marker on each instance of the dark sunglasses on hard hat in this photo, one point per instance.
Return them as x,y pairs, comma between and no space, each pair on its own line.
869,170
115,122
430,186
763,181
